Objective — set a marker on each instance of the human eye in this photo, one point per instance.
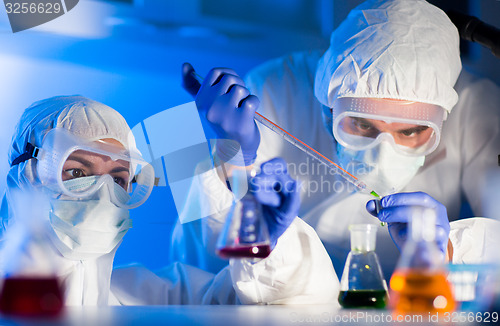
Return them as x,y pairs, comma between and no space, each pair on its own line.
408,133
362,125
120,181
74,173
413,132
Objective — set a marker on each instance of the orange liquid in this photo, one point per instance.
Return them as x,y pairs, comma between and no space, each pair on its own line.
417,292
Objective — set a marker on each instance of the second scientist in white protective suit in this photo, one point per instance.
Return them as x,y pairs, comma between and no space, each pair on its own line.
81,154
387,56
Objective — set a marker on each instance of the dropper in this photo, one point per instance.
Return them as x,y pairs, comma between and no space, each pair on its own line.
360,185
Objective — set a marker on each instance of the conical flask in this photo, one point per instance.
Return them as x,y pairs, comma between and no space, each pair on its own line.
419,284
245,233
362,284
29,285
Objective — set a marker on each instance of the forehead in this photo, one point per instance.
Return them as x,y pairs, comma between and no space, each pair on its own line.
110,142
89,157
381,124
391,107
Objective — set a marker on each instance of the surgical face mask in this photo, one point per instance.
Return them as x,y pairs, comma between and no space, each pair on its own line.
381,167
90,228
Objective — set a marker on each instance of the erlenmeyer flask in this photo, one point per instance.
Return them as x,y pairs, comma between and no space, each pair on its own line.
419,284
29,286
362,284
245,233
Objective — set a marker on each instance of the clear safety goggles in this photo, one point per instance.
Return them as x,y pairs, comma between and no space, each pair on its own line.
64,159
413,128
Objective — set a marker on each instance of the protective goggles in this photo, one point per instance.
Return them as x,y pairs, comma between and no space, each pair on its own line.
64,158
413,128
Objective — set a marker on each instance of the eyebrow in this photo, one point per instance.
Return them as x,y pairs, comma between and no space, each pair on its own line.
362,120
81,160
120,169
414,129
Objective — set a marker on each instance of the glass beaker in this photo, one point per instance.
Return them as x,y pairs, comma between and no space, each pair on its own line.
362,284
419,284
245,233
29,284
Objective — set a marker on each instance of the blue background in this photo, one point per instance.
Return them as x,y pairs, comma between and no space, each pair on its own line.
128,55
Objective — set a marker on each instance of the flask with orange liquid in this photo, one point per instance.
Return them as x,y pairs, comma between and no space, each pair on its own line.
419,284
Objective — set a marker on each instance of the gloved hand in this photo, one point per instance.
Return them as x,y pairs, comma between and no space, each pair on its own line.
396,211
230,109
279,195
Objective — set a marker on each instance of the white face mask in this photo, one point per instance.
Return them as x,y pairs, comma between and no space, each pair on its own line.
381,167
88,228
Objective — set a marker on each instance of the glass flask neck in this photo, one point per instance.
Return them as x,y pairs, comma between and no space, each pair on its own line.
363,237
421,251
423,225
362,284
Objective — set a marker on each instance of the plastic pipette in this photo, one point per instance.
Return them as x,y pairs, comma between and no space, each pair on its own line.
360,185
315,154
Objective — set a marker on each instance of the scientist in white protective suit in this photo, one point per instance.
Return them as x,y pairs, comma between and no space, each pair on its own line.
81,154
381,103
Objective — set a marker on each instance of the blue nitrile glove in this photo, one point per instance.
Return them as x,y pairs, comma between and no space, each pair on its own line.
396,210
279,195
230,110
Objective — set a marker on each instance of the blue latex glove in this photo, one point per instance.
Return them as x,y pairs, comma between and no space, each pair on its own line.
396,210
230,109
279,195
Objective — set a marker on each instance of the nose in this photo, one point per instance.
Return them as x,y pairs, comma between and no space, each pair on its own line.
386,136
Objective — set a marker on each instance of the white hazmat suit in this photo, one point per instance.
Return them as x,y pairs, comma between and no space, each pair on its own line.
384,49
90,280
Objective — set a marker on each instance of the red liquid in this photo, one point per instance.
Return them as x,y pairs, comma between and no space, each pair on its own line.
26,296
258,251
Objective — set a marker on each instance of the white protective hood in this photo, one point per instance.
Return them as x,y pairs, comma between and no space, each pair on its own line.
85,118
376,52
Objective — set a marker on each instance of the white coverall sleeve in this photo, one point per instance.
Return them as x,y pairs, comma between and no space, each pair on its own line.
296,272
175,284
475,240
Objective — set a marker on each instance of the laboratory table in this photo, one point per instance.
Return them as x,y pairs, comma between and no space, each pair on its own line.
259,315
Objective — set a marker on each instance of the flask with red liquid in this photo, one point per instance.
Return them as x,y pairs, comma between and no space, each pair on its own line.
31,296
245,233
29,286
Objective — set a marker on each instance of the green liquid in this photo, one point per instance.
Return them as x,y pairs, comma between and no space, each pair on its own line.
363,299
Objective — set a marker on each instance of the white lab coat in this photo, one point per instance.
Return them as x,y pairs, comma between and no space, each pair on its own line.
297,271
453,174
